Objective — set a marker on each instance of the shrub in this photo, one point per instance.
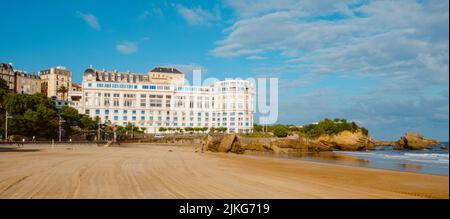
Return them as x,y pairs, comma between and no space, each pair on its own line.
280,131
331,127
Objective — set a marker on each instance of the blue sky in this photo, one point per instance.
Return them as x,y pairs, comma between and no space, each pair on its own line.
383,64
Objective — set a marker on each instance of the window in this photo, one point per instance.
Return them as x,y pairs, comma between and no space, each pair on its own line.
116,118
106,111
143,100
124,118
97,111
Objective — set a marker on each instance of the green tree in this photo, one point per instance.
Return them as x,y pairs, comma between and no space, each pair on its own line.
4,89
331,127
257,128
71,119
31,115
162,129
280,131
87,123
71,113
221,129
3,84
63,90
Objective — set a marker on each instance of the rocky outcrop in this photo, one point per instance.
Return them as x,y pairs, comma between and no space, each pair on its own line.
212,142
227,143
415,141
346,140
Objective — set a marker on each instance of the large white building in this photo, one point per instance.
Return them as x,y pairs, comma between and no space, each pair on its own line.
161,99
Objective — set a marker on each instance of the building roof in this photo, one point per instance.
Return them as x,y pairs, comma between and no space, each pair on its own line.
77,85
166,70
93,71
6,66
26,75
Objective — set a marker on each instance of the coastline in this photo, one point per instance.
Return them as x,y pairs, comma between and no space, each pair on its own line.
146,171
373,159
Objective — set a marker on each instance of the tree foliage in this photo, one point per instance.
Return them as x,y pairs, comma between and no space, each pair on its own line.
331,127
280,131
32,115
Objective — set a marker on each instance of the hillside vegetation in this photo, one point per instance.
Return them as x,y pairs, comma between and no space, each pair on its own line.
331,127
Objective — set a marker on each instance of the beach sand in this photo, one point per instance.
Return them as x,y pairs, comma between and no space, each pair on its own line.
145,171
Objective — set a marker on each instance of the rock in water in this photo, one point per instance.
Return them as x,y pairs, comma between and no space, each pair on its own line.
348,141
415,141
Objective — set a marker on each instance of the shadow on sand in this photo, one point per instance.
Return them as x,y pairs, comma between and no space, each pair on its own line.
15,149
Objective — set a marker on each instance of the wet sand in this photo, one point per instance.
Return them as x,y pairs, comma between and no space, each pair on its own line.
144,171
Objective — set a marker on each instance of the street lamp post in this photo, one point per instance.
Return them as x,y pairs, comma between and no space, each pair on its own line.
59,127
6,125
60,130
98,130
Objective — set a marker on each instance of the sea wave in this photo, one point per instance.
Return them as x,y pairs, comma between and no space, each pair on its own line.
414,157
440,161
427,155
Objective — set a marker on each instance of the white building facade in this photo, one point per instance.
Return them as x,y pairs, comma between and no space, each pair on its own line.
160,99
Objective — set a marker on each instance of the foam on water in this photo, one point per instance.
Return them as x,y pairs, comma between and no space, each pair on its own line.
434,160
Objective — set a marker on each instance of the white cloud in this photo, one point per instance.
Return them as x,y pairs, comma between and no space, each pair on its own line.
256,58
250,8
197,16
154,11
398,49
391,38
127,47
90,19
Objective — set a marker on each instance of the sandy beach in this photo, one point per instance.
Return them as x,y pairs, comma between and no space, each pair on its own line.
149,171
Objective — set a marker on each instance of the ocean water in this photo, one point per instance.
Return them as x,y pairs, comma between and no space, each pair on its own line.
432,161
